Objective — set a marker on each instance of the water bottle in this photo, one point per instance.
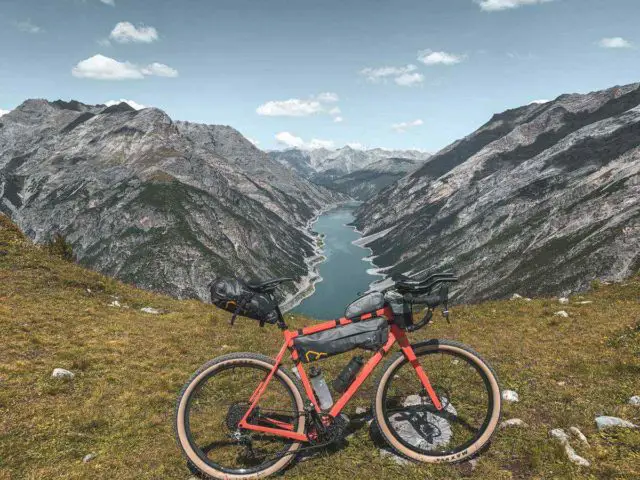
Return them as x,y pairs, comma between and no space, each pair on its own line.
348,375
321,388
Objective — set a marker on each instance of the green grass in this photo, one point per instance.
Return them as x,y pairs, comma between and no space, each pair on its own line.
130,367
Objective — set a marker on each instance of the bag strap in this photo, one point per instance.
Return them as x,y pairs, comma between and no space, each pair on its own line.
239,307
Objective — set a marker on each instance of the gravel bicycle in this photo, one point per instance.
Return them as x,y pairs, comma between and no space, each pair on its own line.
245,415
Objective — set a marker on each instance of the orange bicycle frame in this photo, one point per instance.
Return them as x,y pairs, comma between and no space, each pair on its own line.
286,430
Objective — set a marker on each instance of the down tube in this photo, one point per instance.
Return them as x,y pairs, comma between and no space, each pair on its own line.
362,376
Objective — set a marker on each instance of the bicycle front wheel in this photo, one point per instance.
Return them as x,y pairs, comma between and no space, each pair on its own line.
467,389
214,401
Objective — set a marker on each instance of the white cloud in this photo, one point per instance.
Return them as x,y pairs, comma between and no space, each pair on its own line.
338,119
100,67
429,57
4,112
27,26
289,140
540,102
404,126
255,142
614,42
409,79
381,74
104,42
125,32
132,103
109,2
498,5
296,107
328,97
159,70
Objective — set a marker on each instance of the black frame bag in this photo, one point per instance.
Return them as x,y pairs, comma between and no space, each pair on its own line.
367,334
233,295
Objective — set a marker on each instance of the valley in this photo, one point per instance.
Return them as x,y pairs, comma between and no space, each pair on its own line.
542,199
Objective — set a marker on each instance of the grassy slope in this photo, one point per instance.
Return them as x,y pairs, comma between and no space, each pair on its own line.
130,366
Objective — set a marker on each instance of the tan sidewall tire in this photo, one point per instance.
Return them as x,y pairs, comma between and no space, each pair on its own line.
193,456
456,457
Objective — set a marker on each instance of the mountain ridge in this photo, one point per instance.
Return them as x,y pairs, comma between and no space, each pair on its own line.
159,203
540,199
359,173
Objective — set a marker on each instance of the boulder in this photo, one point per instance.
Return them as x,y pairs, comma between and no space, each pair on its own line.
604,423
515,296
62,373
510,396
635,400
580,436
562,314
563,301
151,310
513,422
563,438
87,458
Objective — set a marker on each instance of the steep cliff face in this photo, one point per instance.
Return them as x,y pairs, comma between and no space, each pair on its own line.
541,199
158,203
357,173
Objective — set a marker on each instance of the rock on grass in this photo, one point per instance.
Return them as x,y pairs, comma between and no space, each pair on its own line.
604,423
513,422
563,438
62,373
510,396
151,310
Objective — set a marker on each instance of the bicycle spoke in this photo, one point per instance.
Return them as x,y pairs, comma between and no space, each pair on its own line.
418,424
221,401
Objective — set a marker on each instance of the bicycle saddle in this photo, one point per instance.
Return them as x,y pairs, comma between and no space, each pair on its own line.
267,285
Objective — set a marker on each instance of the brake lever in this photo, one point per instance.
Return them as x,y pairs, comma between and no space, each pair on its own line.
422,323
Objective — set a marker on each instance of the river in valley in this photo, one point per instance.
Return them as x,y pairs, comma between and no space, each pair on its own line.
344,272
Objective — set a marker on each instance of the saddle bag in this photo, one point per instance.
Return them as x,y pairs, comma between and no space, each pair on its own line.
233,295
367,334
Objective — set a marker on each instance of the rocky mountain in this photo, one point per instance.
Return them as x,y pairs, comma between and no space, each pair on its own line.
154,202
355,172
541,199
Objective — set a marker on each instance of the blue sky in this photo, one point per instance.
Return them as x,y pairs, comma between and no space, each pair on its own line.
394,74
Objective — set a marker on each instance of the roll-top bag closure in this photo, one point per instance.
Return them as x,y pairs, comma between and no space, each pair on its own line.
368,303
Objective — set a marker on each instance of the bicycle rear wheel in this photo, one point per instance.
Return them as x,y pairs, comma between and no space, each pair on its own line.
213,402
467,388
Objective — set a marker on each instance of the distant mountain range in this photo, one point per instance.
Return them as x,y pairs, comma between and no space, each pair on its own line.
541,199
355,172
161,204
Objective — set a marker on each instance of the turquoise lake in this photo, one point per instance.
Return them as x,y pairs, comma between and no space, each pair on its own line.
344,273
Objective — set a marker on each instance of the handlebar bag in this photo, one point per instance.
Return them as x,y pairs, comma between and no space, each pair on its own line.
367,334
233,295
368,303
